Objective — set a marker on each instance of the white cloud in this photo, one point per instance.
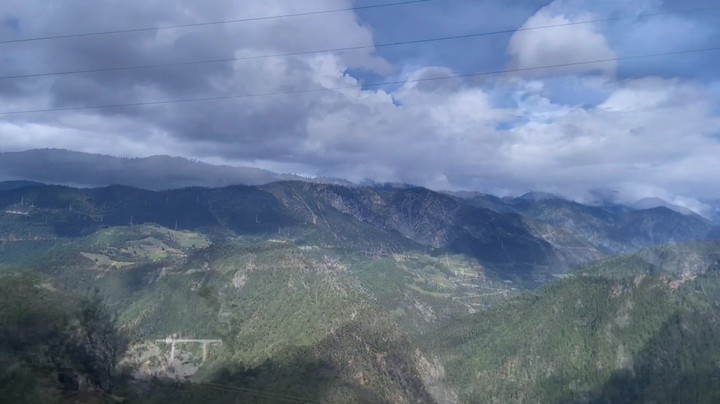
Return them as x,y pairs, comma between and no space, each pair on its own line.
560,45
646,137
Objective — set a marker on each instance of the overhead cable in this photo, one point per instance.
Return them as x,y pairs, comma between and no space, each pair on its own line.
354,86
207,23
341,49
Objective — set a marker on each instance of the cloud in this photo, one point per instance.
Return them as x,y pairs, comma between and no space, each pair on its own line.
570,132
647,131
251,125
530,48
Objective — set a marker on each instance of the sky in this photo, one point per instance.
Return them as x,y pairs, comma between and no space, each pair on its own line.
628,128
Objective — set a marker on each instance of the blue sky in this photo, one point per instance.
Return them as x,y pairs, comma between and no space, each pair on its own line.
642,127
630,36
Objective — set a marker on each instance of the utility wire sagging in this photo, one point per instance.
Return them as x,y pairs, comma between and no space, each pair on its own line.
208,23
355,86
347,48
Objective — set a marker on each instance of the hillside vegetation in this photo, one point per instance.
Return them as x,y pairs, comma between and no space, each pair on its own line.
53,342
327,293
640,335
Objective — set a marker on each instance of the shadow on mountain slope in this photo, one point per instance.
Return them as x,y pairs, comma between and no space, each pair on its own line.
681,364
362,362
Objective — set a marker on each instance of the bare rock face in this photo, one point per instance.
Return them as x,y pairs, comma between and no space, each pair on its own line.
433,375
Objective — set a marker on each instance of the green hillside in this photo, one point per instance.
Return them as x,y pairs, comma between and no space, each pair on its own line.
635,337
327,293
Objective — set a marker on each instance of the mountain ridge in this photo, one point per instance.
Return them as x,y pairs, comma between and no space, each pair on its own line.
367,294
66,167
529,239
162,172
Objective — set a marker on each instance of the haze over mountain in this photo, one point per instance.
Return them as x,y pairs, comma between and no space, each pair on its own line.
56,166
714,210
649,203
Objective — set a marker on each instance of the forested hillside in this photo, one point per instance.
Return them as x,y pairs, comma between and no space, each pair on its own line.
326,293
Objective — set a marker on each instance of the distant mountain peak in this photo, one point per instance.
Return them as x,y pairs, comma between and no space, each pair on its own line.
539,196
66,167
11,185
653,202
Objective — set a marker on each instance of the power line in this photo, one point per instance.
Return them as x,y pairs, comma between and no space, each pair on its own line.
349,48
380,84
207,23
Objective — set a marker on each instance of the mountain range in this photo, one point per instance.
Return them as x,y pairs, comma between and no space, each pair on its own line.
73,168
519,238
321,292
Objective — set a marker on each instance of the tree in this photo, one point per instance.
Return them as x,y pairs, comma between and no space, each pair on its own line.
100,344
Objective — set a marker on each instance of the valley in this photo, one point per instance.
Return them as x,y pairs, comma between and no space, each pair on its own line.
306,292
